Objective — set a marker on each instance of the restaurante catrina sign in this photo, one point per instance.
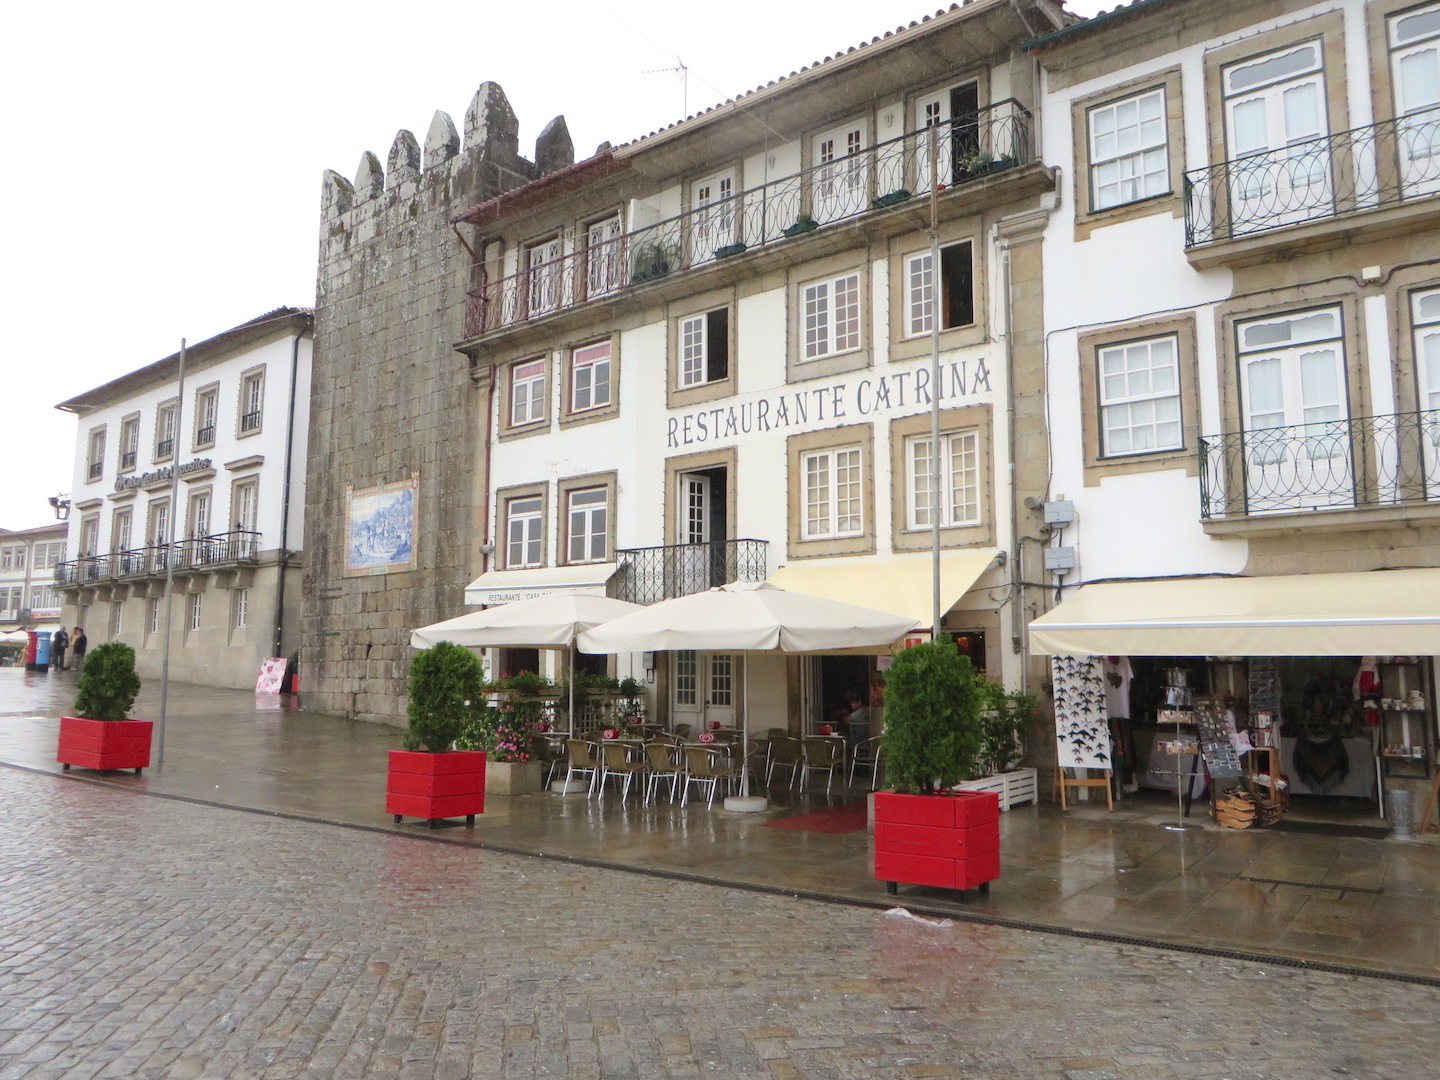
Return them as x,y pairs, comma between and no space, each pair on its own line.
881,393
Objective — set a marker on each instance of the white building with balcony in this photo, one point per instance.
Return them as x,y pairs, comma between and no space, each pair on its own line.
188,502
28,597
1242,314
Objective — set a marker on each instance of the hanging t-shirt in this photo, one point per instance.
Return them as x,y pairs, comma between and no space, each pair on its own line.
1116,672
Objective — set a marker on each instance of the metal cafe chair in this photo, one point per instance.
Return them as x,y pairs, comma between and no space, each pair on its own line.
707,766
822,754
583,760
660,756
618,763
785,753
866,755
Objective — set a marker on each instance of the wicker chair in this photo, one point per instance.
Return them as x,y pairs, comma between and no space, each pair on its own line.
617,763
706,766
785,753
867,755
582,760
825,755
660,757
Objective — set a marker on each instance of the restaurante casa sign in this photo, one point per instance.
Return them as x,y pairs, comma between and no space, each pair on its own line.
165,472
826,404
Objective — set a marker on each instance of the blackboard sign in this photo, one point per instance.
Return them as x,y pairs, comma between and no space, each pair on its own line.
1217,745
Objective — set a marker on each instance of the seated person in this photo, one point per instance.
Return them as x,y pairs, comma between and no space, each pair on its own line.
857,723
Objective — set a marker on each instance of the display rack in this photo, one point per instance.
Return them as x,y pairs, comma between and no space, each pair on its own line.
1179,701
1405,746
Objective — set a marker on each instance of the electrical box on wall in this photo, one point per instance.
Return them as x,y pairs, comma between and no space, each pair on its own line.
1059,560
647,660
1060,512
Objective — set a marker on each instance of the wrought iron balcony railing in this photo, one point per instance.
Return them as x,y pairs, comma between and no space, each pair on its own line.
215,551
1334,464
164,449
205,436
250,421
992,140
1384,164
648,575
127,460
95,470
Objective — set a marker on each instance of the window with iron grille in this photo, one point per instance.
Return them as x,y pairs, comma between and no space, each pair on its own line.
207,406
165,431
95,455
252,400
129,442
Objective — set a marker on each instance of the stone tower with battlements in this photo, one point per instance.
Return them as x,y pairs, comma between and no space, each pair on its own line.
396,430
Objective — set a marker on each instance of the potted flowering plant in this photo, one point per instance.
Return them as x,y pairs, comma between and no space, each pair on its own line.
926,833
101,735
508,730
430,779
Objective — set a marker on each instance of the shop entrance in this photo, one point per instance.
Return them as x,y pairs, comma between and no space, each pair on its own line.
842,679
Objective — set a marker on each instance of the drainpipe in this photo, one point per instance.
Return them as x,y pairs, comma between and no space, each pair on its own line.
1017,606
284,560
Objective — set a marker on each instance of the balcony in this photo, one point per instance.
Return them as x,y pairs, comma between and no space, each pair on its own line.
205,436
249,422
1370,461
127,461
995,139
648,575
1386,165
222,550
95,470
164,449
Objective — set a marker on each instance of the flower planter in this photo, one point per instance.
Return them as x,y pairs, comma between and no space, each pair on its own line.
944,841
893,199
512,777
435,786
104,744
1012,788
800,227
729,250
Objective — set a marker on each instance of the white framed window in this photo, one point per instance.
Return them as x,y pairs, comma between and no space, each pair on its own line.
704,347
129,442
20,558
1129,157
841,179
687,680
523,519
543,268
89,534
1295,401
246,502
242,608
1425,317
590,377
959,479
195,610
207,407
199,507
712,220
95,455
957,289
830,311
152,615
527,392
252,401
1415,65
121,527
1139,384
7,558
602,255
588,529
117,611
159,532
165,431
833,493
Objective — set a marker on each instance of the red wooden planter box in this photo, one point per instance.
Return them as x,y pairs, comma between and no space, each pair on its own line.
944,841
435,786
104,744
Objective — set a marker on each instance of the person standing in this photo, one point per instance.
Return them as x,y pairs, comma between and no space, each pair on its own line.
78,644
59,641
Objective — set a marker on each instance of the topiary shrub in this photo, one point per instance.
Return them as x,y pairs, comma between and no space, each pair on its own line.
108,684
445,689
933,711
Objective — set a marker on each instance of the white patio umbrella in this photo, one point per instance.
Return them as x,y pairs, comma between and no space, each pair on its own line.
748,616
547,622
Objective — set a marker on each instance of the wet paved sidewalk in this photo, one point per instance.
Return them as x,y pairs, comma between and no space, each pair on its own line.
1354,902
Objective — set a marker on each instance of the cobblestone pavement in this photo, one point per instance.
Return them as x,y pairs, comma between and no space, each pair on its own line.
145,937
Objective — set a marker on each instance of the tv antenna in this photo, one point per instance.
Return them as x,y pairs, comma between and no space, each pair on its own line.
684,73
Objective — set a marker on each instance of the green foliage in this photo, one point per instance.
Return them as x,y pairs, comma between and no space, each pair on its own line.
654,259
478,731
632,700
108,684
523,683
933,707
1007,718
445,690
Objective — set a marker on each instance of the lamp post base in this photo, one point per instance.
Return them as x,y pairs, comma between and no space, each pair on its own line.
746,804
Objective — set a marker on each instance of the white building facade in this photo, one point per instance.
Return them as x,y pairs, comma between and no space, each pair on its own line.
200,486
1242,312
28,598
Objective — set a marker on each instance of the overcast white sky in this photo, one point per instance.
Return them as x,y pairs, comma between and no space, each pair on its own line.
161,161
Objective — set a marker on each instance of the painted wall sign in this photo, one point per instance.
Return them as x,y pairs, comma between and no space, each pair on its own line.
165,472
880,393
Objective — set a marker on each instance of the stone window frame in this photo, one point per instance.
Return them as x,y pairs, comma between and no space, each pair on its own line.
1087,219
796,449
1378,14
677,396
902,249
251,480
675,467
1088,345
190,497
1399,293
564,488
797,369
130,422
240,608
251,376
503,498
115,517
210,391
980,418
152,509
1327,27
569,417
172,405
95,453
506,370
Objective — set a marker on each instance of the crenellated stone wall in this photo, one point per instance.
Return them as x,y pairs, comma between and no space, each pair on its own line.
393,400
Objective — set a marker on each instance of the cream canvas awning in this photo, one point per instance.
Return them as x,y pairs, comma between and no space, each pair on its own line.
508,586
1370,613
902,587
